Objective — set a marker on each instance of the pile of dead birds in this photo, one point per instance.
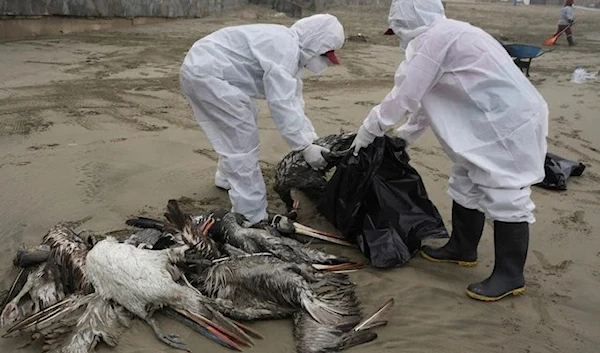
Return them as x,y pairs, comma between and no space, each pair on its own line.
212,272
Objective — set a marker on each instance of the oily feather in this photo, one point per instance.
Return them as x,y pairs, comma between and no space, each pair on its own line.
67,258
252,240
246,281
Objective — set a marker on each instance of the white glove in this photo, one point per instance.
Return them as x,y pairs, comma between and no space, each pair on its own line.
363,139
312,155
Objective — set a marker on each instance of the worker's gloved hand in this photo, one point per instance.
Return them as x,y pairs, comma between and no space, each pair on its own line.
313,156
363,139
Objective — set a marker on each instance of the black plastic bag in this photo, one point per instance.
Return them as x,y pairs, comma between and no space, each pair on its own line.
378,200
558,170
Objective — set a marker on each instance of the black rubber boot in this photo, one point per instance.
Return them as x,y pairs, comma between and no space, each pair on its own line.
511,241
461,249
571,41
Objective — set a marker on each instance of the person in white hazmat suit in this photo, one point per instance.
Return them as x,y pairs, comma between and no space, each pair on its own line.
222,75
489,119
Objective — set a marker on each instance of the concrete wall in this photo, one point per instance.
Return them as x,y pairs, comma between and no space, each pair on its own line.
116,8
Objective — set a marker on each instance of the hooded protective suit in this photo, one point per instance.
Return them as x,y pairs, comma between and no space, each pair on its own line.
222,75
488,117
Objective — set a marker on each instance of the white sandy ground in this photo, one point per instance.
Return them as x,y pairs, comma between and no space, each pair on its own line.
94,129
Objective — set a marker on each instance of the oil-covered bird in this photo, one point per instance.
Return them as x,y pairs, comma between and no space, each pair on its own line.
327,314
294,173
55,269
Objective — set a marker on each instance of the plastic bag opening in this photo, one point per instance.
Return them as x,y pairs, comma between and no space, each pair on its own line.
379,201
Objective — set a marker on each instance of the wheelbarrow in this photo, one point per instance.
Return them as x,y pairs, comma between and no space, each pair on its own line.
523,54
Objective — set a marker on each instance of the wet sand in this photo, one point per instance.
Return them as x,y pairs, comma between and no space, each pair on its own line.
94,129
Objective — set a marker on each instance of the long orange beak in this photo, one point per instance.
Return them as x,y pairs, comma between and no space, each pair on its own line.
207,225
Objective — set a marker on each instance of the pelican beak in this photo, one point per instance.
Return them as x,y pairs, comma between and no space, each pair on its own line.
284,225
350,266
214,331
374,320
300,227
313,233
207,225
200,325
248,330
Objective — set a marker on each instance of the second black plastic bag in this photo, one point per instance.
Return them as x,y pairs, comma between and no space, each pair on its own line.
558,170
379,201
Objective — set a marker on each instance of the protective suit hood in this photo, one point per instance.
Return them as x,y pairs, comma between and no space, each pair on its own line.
319,35
409,18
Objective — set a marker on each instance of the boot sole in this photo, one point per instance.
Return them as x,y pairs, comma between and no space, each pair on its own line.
457,262
484,298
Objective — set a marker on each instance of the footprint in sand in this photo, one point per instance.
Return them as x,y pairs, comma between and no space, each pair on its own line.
367,103
561,119
15,164
551,269
212,155
573,222
541,308
92,181
43,147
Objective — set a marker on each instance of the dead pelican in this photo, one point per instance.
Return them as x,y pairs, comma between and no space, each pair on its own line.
314,337
264,281
61,273
140,281
292,172
327,315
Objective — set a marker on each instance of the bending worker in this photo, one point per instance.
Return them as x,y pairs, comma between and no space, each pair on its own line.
488,118
222,75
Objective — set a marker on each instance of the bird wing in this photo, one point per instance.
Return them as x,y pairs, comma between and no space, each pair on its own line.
67,253
76,324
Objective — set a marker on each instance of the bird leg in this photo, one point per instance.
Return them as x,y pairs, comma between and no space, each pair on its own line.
172,340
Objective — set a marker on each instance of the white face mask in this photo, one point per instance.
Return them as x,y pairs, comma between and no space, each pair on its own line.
317,64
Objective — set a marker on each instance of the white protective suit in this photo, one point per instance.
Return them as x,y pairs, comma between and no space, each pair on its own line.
222,75
488,117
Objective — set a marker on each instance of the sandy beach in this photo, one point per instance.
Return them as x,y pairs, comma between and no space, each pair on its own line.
94,129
